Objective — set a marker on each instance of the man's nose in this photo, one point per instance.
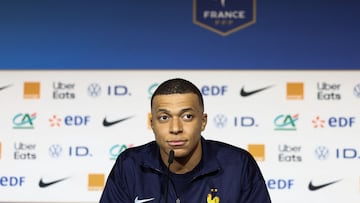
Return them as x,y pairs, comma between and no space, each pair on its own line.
176,126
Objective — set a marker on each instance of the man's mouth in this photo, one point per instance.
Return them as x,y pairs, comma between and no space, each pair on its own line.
176,143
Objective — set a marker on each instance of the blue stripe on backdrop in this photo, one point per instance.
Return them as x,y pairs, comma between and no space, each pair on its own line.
160,34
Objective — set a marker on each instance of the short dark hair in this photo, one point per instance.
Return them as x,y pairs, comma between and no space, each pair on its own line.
177,86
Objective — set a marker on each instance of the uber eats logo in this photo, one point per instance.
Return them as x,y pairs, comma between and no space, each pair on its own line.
24,151
289,153
63,90
328,91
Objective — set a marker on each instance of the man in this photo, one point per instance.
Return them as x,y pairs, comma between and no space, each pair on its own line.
181,166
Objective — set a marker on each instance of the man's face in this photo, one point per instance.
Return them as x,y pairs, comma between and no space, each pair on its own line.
177,122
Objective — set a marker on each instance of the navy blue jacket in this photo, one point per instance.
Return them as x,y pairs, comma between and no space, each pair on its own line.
228,175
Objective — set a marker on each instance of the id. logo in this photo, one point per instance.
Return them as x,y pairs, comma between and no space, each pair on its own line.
224,17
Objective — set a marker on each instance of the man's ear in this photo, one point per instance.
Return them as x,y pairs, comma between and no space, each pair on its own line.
150,121
204,121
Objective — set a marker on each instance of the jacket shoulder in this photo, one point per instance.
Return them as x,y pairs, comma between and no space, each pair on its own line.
138,153
226,152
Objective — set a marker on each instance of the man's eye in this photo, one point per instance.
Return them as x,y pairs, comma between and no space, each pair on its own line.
188,117
163,118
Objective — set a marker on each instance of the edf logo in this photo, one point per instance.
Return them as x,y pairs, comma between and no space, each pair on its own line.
280,184
214,90
334,122
341,122
76,120
11,181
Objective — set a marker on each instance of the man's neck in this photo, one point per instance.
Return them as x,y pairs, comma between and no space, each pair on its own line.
183,165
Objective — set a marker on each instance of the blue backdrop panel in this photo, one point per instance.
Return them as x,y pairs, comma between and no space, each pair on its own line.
160,34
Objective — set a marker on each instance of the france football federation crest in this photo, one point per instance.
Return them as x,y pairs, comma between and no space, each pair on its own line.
224,16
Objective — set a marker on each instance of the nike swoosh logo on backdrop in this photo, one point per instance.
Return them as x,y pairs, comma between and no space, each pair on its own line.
107,123
244,93
317,187
43,184
4,87
137,200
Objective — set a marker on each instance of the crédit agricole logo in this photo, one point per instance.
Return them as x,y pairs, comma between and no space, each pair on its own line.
224,17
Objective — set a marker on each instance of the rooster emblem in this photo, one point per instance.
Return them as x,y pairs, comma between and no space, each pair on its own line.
212,198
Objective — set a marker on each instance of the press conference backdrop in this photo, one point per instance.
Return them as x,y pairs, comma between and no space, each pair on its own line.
58,141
